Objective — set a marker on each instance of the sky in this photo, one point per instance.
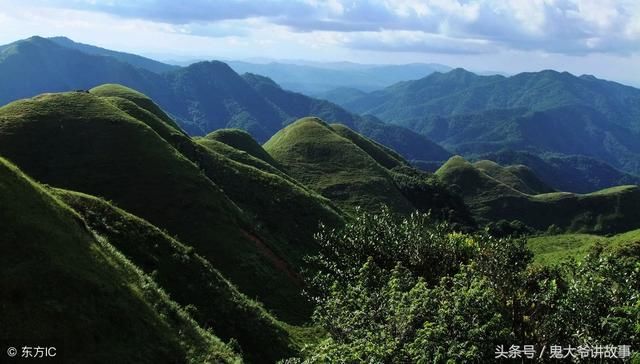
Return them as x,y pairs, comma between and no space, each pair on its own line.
599,37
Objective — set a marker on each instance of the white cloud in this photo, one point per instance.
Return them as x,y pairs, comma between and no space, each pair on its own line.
555,26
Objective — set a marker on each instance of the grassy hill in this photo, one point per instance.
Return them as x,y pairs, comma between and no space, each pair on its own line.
64,286
295,106
552,249
491,199
518,177
315,154
281,210
83,142
241,140
188,278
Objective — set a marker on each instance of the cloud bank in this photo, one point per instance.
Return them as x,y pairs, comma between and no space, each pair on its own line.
571,27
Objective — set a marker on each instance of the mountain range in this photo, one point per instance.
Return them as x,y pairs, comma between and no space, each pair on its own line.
103,185
202,97
200,242
548,114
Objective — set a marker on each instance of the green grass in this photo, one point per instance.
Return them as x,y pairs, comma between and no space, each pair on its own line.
83,142
603,212
138,98
241,140
553,249
64,285
314,154
190,280
381,154
520,178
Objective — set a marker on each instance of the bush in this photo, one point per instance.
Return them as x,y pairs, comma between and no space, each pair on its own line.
395,290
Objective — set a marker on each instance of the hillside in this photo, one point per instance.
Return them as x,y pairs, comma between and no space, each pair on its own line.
72,289
202,97
241,140
567,173
286,212
313,153
518,177
491,200
214,302
354,171
539,112
553,249
409,144
83,142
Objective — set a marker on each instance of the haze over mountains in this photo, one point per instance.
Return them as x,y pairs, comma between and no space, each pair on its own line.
317,78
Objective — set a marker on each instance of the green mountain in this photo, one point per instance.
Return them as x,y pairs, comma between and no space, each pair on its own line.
543,112
409,144
132,59
494,193
341,95
356,172
36,65
65,286
553,249
567,173
316,155
202,97
212,301
316,78
518,177
200,241
92,144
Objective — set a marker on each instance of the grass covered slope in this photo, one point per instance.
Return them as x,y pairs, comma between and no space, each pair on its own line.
313,153
64,286
606,211
518,177
552,249
241,140
138,98
383,155
190,280
83,142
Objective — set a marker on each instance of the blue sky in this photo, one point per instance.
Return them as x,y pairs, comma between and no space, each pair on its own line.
600,37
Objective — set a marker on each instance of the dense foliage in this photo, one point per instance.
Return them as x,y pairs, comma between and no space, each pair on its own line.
395,290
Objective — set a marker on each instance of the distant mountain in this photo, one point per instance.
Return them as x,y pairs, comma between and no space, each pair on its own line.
341,95
314,78
36,65
133,59
567,173
540,112
202,97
